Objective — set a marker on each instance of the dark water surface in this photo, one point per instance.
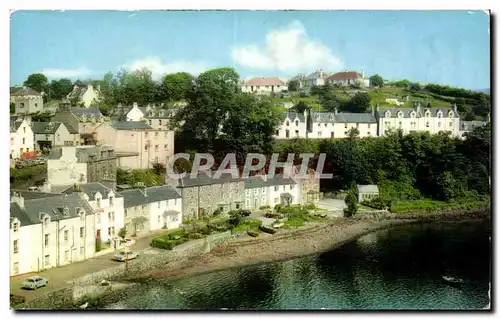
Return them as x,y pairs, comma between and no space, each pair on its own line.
397,268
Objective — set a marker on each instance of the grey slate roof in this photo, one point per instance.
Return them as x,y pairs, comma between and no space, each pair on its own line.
129,125
470,125
45,127
51,205
367,188
79,111
32,195
137,197
407,111
203,179
254,182
355,118
23,91
276,180
83,153
157,113
330,117
91,189
293,115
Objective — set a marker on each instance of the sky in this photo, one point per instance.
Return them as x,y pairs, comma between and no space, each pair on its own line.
445,47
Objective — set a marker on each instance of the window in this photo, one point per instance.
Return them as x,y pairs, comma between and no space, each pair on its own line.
412,115
326,124
46,240
98,202
319,124
66,233
156,134
292,187
450,115
22,104
66,255
46,221
58,137
47,260
165,134
248,203
287,123
439,124
82,216
125,213
400,124
297,133
16,246
24,130
159,122
263,190
413,125
111,216
277,132
175,201
369,125
319,134
81,232
143,207
387,124
111,231
24,140
276,188
263,201
451,124
16,268
439,115
156,148
427,114
175,218
166,146
15,227
427,124
332,134
296,123
345,125
150,123
287,133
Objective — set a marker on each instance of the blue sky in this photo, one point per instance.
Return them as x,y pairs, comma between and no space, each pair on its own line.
448,47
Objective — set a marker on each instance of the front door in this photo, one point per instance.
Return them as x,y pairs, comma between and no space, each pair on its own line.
255,203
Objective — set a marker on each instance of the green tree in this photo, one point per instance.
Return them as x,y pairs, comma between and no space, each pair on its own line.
376,81
37,81
415,87
123,232
175,87
12,108
59,89
301,107
293,85
359,103
328,99
401,83
351,202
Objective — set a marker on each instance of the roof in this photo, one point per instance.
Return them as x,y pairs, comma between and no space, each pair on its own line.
14,125
45,127
51,205
276,180
346,75
24,91
91,189
154,113
292,116
203,179
79,111
264,81
407,111
355,118
136,197
317,75
83,153
130,125
79,90
367,188
32,195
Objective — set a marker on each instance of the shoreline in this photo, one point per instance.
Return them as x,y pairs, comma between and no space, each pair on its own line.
311,239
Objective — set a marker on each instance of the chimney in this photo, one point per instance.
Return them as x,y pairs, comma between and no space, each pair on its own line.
335,111
134,105
455,108
418,108
17,198
145,191
373,110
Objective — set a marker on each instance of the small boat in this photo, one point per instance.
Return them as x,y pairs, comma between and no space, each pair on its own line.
453,281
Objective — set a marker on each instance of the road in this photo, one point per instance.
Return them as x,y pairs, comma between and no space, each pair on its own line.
59,277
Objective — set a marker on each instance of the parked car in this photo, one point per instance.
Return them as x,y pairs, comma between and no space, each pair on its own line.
123,256
32,188
246,212
35,282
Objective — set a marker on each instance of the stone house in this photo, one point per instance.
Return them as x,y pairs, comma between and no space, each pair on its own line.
50,230
309,187
204,194
51,134
151,208
137,144
316,78
80,165
366,192
21,137
81,120
84,94
418,119
26,100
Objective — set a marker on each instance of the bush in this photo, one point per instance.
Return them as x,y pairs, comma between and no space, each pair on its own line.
265,207
235,220
206,231
378,203
247,225
217,212
272,215
278,207
252,233
195,236
310,206
268,230
163,243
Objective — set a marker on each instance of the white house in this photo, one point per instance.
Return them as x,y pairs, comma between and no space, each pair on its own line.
263,86
432,120
85,94
262,190
348,78
49,230
326,125
394,101
26,100
21,137
317,78
151,208
50,134
108,207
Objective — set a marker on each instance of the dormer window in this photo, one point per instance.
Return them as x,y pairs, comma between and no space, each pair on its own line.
296,123
387,114
46,221
82,216
439,114
15,227
287,123
412,114
450,115
400,114
98,202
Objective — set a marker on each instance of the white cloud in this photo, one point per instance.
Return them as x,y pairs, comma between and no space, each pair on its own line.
159,69
288,50
65,73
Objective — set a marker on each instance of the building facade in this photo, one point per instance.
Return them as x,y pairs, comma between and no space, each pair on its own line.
262,190
84,94
263,86
21,137
49,231
81,120
80,165
26,100
348,78
151,208
469,126
51,134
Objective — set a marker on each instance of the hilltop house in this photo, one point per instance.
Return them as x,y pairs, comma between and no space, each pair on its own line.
432,120
21,137
137,144
263,86
151,208
157,118
71,165
26,100
50,134
84,94
326,125
49,231
316,78
348,78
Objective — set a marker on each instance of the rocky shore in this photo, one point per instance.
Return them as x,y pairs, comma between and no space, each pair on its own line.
287,244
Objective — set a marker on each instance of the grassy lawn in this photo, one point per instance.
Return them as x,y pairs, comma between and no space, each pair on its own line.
250,224
434,205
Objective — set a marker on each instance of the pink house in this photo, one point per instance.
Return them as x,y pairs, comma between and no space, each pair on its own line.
136,144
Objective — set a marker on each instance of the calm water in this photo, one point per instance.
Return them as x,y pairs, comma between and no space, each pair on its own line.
398,268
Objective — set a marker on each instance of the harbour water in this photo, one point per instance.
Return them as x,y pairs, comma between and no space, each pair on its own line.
397,268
